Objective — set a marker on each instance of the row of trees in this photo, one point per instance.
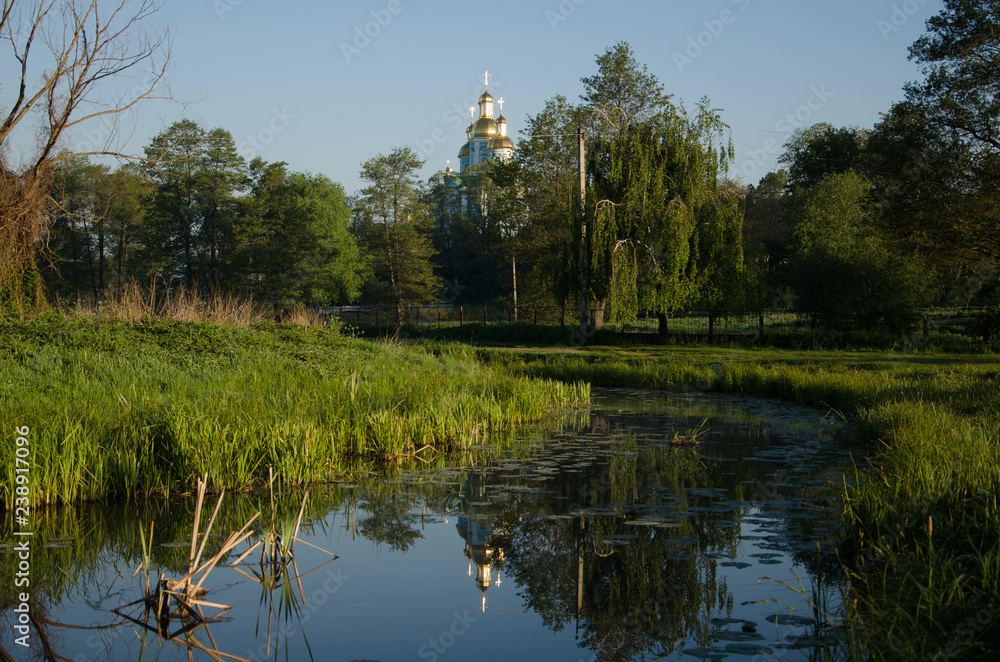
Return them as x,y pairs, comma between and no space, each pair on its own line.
195,212
873,221
653,231
906,213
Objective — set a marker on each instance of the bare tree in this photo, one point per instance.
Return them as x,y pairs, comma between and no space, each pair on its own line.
67,53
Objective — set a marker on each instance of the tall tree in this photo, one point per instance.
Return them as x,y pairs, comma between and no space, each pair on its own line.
766,230
938,158
622,93
548,157
293,229
197,174
222,175
813,153
655,215
395,228
961,58
843,263
63,52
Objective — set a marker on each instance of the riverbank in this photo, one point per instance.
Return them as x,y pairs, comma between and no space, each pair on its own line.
922,527
131,409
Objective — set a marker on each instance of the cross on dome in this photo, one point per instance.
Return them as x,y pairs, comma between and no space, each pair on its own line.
486,77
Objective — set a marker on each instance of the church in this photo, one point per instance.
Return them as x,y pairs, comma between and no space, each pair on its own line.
486,137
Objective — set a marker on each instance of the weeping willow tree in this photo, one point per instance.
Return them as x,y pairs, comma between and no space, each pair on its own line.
660,233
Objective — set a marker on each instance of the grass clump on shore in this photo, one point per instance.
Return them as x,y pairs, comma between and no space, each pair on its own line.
922,523
131,409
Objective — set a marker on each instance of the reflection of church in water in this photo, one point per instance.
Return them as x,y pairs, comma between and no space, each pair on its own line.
484,545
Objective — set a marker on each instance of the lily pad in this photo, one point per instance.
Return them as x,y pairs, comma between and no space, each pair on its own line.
705,653
730,621
789,619
748,649
730,635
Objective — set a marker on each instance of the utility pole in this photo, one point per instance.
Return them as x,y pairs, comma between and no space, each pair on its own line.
583,225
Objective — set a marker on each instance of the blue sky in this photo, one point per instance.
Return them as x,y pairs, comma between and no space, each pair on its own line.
295,82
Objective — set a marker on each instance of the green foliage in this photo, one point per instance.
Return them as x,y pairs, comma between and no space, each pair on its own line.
394,227
842,264
294,232
962,68
661,235
819,151
189,232
128,410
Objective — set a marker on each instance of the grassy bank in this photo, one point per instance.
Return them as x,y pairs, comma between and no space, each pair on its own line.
136,408
922,525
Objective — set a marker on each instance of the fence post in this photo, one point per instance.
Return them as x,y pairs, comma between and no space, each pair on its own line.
711,326
461,315
925,327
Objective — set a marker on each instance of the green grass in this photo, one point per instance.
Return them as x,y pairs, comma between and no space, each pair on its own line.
122,409
922,524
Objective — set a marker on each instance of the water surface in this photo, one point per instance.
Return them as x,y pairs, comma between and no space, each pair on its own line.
604,535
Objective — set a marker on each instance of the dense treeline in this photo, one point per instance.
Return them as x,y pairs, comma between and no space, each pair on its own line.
858,221
906,213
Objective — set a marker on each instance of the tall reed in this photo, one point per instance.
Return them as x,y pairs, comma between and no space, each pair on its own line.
133,409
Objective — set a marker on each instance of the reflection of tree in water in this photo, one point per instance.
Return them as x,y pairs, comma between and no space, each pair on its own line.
386,519
630,591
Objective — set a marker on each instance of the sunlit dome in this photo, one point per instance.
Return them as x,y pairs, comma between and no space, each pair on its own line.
485,127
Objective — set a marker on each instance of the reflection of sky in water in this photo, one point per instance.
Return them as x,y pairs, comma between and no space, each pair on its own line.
422,598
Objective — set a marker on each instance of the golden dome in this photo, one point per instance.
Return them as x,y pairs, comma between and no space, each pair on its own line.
485,128
464,152
486,98
502,142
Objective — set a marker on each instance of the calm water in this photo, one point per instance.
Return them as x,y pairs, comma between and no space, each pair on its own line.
597,540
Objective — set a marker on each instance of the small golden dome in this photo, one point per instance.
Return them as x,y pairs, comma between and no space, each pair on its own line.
486,98
464,152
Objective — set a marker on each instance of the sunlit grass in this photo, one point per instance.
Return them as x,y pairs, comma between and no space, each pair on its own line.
134,409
